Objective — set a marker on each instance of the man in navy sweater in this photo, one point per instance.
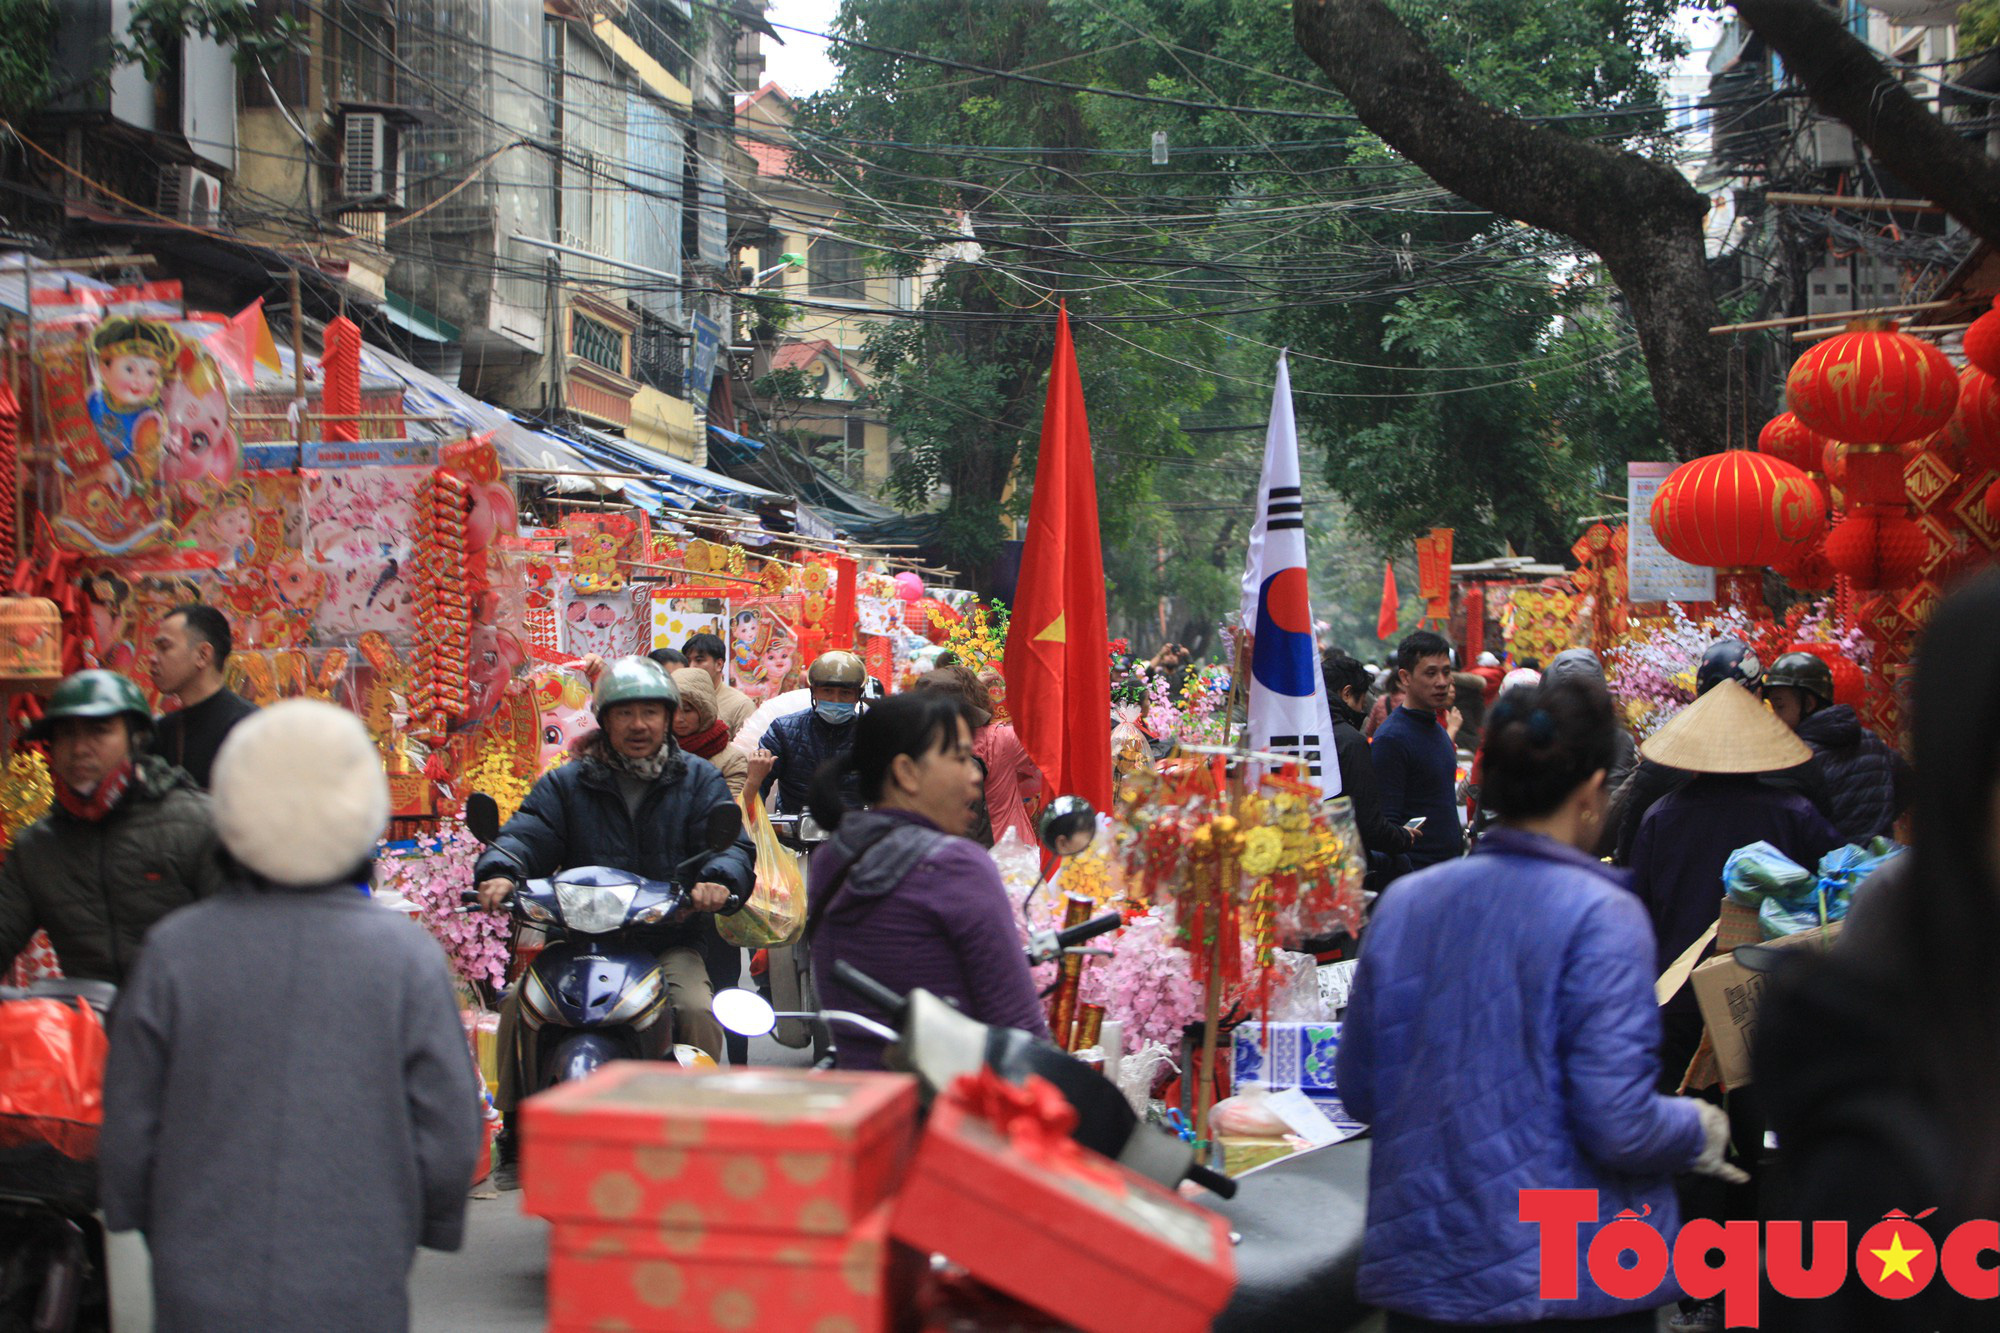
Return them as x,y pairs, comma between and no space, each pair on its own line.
1416,766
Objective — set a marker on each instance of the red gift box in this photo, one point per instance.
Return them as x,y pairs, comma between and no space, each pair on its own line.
641,1143
640,1278
1064,1229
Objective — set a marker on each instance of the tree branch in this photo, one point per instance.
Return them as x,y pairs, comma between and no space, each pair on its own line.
1641,216
1848,81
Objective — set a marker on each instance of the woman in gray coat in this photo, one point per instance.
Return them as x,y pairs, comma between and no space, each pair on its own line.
290,1108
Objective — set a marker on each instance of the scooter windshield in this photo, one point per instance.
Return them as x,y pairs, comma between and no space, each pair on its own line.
594,909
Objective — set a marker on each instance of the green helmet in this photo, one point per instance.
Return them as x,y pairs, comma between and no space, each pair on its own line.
91,694
1802,671
838,667
630,680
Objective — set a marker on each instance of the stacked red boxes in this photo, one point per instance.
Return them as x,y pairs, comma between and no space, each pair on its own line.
722,1199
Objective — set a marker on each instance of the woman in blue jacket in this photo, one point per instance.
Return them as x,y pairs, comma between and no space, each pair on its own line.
1502,1036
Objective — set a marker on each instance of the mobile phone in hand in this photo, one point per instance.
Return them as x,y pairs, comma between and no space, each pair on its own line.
1416,825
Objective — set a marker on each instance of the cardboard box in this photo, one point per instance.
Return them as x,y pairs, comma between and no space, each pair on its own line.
640,1278
1295,1055
642,1143
1728,994
1069,1232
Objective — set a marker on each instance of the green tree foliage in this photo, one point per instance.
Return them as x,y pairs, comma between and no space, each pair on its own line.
27,29
1450,367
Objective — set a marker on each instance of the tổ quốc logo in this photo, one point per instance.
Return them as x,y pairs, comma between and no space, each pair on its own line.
1895,1258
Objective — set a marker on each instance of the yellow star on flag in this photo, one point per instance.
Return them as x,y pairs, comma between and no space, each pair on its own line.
1057,631
1896,1259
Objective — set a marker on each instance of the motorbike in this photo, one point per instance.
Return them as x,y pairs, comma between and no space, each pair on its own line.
59,1269
592,995
788,970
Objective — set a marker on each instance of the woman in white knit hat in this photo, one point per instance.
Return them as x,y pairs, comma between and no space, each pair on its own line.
290,1108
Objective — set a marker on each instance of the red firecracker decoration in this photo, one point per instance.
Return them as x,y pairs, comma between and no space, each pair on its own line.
1877,548
10,425
1976,423
1982,341
340,369
1873,385
1786,437
1737,509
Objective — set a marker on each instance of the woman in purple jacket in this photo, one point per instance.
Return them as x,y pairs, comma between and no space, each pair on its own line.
1502,1037
897,891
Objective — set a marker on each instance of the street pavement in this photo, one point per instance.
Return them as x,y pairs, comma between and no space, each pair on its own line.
497,1281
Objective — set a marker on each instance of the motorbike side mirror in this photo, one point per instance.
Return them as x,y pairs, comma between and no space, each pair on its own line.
725,826
482,816
744,1012
1068,826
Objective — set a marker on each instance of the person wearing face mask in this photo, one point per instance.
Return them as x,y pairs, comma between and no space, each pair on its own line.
128,840
899,891
795,746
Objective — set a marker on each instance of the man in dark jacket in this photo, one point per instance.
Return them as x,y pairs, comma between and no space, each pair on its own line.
796,745
1867,783
1415,761
127,841
1387,843
290,1108
190,650
637,802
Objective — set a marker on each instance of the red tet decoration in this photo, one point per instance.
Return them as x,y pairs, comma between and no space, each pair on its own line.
1872,474
1993,499
1977,420
1786,437
1808,570
1982,341
1877,548
1737,509
1873,385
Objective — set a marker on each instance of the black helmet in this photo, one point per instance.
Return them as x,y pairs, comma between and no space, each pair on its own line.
1802,671
1727,659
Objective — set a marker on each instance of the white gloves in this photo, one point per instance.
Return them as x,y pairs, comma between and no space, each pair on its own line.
1715,1145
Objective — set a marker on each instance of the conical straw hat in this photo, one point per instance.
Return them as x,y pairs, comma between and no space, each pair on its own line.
1727,730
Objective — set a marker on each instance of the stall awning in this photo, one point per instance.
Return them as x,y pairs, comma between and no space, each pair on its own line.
699,478
740,441
413,319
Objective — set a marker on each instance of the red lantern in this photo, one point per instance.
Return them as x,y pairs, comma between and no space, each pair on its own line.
1992,500
1982,341
1877,548
1874,475
1786,437
1977,420
1808,571
1873,385
1737,509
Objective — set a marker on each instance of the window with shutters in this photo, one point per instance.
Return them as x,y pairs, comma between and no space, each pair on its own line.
833,269
598,343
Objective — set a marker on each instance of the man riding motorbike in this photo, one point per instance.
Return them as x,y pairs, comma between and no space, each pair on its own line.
128,840
633,801
797,745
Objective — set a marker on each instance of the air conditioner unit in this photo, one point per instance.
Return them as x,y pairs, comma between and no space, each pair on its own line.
190,196
371,160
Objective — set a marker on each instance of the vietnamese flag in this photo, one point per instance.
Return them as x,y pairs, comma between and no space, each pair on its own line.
1385,619
1058,665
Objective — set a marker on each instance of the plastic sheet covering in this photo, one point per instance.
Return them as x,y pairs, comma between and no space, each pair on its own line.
51,1075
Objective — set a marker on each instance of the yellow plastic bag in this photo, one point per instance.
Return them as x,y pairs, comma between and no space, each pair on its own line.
776,910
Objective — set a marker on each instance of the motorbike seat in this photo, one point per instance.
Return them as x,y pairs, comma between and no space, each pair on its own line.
97,994
1301,1219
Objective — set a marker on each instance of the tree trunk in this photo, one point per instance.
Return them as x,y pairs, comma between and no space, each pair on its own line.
1641,216
1849,82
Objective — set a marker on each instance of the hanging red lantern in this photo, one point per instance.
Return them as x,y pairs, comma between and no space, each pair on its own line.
1872,385
1808,570
1873,475
1982,341
1786,437
1737,509
1992,500
1976,421
1877,548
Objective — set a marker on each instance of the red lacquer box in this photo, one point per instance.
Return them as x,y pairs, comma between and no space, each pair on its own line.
645,1144
1073,1234
639,1278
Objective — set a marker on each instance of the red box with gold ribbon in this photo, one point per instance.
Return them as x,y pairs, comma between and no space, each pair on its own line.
1000,1188
642,1278
645,1144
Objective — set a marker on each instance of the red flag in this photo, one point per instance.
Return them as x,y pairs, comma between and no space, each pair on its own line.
1058,641
1385,619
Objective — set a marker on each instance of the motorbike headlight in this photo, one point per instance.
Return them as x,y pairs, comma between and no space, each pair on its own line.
594,909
